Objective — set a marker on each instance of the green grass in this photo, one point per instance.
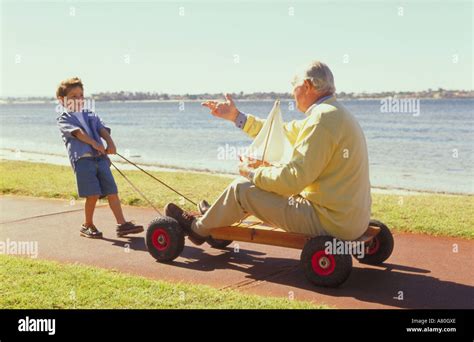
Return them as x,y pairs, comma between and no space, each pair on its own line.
434,214
34,284
54,181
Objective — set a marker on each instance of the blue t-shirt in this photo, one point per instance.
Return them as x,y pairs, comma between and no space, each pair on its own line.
68,123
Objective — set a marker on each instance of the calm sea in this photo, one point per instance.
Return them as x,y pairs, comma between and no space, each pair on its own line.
431,151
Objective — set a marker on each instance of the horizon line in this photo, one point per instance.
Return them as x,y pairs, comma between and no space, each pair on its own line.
242,93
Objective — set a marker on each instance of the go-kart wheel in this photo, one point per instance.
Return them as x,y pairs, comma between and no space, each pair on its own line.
321,268
164,239
380,247
219,244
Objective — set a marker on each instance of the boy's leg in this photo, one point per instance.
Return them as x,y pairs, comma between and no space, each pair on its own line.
89,208
116,207
123,227
88,229
109,188
88,187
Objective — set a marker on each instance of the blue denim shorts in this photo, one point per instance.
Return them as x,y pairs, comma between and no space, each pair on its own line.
94,177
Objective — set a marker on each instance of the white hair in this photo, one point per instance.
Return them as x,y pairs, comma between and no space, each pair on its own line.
320,76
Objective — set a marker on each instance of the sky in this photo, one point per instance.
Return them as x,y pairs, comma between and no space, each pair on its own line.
194,47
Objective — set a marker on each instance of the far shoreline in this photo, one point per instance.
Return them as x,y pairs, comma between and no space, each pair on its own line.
54,102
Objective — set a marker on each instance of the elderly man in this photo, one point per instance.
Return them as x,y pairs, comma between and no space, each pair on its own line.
323,190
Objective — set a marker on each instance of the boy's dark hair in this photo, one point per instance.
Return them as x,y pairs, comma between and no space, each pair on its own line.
66,85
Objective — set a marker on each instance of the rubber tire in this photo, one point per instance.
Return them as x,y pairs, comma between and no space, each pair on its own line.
338,276
176,236
219,244
385,238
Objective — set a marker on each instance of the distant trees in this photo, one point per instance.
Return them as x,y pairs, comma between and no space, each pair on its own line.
155,96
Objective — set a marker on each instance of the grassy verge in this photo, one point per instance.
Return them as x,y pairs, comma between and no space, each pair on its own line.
36,284
434,214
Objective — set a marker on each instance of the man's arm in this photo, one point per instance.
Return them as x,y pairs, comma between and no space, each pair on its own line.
250,124
310,158
228,111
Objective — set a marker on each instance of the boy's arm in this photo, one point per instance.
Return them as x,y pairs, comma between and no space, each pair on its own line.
85,138
70,130
104,133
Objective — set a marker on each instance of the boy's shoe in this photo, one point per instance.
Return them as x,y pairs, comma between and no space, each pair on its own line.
91,232
128,228
203,206
185,220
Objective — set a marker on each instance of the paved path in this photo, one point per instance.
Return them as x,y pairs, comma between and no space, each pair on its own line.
422,268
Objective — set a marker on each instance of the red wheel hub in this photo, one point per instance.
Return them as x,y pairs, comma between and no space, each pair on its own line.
323,264
160,239
373,246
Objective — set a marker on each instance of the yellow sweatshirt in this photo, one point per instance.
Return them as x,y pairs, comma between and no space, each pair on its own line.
329,167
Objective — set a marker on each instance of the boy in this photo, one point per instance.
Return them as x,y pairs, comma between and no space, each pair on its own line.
81,132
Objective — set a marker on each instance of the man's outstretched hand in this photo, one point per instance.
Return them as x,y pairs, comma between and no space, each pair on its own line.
225,109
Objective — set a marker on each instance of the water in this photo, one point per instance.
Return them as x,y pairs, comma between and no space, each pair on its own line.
433,151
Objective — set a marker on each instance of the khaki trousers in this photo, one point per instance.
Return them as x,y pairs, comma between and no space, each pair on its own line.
242,198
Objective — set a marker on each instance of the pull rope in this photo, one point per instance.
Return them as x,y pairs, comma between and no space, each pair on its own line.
136,189
158,180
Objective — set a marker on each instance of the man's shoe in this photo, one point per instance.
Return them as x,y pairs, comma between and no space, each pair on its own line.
185,220
203,207
128,228
91,232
